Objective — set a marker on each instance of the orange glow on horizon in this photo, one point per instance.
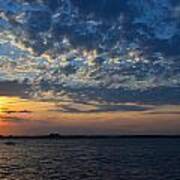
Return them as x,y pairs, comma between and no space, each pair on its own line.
27,116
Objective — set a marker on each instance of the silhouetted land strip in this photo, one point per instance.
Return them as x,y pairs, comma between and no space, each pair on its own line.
58,136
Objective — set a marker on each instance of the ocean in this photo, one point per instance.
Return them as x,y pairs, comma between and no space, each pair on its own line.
90,159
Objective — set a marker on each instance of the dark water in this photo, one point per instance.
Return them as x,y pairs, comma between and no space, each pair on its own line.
91,159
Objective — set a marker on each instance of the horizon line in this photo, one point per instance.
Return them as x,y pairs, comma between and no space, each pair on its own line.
72,136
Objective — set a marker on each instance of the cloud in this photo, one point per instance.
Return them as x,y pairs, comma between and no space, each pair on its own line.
17,112
164,113
15,120
156,96
99,108
19,120
108,51
13,88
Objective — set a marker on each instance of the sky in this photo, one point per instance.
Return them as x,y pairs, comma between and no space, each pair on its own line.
89,67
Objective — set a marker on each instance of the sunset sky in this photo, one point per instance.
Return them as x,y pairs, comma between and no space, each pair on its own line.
89,67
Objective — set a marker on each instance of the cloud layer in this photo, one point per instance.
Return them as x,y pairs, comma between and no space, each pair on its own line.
107,51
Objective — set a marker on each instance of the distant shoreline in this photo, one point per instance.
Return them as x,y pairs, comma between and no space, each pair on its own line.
57,136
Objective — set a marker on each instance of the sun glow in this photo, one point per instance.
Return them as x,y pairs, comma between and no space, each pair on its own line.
3,102
10,104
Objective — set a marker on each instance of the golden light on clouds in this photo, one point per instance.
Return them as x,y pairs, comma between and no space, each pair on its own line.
2,102
5,101
23,116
